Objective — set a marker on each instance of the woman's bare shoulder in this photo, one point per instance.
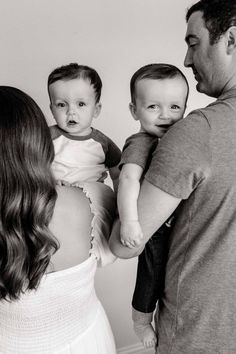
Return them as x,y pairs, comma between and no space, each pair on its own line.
72,210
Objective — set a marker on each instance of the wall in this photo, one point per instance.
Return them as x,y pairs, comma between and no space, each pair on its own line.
116,38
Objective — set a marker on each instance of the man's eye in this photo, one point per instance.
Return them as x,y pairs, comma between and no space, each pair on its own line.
81,104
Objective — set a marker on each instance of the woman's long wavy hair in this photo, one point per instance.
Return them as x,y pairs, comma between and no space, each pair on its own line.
27,194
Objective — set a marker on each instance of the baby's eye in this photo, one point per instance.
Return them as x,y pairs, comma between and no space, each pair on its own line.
81,104
60,104
175,106
153,106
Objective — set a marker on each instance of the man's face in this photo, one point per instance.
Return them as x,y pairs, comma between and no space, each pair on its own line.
208,61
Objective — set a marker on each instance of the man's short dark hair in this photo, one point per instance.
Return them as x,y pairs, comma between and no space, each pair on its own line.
156,71
74,71
219,15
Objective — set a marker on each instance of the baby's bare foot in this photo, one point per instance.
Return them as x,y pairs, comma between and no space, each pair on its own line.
146,334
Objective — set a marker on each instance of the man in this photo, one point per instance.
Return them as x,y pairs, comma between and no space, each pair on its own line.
194,168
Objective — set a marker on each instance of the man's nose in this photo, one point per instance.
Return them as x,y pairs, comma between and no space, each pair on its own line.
188,59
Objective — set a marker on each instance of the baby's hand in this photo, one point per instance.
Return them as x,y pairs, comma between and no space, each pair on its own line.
130,233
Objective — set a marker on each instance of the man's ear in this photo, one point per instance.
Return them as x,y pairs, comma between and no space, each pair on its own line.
97,110
132,109
231,39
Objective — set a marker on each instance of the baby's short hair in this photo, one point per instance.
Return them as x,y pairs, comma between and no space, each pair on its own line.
156,71
74,71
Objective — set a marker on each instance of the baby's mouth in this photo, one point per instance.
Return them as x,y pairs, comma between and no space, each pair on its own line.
71,123
164,126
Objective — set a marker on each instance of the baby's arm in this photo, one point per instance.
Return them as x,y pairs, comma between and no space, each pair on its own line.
128,192
114,174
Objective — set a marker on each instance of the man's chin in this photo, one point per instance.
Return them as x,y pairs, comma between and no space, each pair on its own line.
207,91
200,87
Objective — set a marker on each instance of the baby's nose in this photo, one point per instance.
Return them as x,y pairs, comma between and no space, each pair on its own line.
164,114
71,110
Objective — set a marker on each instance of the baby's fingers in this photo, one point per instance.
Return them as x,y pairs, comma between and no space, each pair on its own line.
129,244
137,242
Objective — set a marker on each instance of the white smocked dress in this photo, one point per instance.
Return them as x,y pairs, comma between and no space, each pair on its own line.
64,315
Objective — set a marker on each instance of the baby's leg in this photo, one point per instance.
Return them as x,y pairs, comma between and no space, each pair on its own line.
143,328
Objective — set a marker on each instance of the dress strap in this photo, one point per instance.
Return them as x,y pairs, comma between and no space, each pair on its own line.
103,207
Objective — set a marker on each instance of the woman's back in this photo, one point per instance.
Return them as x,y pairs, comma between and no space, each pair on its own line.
71,224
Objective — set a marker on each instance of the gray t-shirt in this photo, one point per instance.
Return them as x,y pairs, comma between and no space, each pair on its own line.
138,150
196,161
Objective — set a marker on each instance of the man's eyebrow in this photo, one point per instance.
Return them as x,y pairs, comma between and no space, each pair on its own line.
190,36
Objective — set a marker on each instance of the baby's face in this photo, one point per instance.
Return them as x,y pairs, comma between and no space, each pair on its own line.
159,104
73,105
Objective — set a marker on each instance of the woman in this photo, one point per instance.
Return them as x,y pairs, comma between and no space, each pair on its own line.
51,239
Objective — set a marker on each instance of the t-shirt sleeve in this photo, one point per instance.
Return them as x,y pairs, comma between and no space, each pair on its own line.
111,150
182,160
138,149
113,154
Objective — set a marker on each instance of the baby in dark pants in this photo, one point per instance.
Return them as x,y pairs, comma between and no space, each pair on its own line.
159,94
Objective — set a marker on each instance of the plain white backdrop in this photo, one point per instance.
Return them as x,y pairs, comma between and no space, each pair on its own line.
115,37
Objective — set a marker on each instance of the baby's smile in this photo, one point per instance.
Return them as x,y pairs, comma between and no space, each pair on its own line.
164,126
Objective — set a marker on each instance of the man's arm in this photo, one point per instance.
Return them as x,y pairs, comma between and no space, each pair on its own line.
154,208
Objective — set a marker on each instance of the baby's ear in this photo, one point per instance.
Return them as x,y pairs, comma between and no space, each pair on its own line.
97,110
132,109
50,106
